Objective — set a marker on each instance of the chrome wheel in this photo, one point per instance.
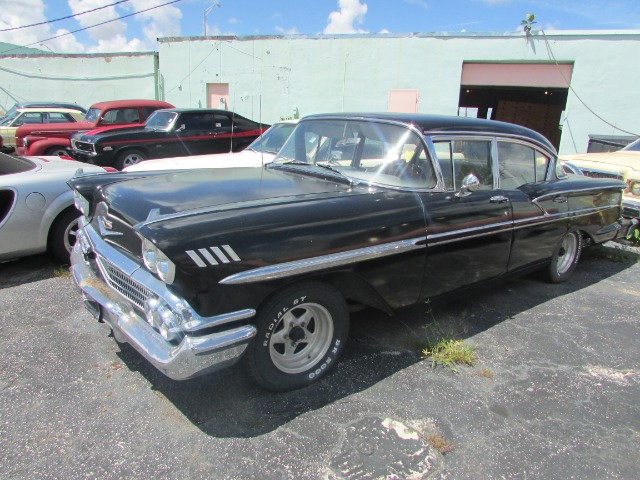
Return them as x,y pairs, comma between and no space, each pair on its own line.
70,235
131,159
301,338
567,254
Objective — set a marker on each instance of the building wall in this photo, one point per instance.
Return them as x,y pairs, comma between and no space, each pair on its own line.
272,77
82,79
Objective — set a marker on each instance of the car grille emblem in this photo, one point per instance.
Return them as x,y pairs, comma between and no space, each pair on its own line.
204,257
106,227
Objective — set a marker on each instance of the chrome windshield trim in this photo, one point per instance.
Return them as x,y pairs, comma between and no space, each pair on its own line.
313,264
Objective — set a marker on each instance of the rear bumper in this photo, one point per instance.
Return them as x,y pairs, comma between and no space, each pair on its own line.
196,353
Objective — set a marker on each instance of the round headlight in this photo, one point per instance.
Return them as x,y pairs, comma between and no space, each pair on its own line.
81,203
164,267
149,252
635,189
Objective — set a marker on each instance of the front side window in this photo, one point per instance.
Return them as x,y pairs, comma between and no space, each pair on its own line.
372,152
28,119
520,164
459,158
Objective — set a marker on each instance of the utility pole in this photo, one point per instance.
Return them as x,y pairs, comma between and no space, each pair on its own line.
206,12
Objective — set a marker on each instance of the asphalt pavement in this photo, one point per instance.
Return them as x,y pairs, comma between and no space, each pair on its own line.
555,392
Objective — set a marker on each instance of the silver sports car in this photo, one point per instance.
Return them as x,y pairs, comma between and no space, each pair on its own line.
36,205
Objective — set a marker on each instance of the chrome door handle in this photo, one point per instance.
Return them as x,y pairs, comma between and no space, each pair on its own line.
499,199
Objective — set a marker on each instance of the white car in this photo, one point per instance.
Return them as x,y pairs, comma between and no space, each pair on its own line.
37,211
262,150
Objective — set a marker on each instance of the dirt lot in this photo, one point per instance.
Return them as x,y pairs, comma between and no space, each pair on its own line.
555,392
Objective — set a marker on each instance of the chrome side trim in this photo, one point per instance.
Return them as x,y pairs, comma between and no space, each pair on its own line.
494,227
325,261
582,190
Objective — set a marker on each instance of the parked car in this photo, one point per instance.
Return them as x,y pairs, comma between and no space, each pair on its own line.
37,212
35,116
53,139
197,269
72,106
260,152
168,133
622,165
3,148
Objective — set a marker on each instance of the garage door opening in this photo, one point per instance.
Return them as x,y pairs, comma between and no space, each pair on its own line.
528,94
539,109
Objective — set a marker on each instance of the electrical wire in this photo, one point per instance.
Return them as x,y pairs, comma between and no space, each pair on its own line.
90,26
546,41
62,18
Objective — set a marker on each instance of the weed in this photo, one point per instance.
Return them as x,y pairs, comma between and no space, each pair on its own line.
439,443
616,253
485,373
62,271
443,348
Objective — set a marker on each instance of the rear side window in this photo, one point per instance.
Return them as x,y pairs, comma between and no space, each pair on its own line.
459,158
520,164
56,117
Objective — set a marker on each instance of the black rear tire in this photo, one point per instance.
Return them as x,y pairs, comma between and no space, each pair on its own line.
301,333
565,258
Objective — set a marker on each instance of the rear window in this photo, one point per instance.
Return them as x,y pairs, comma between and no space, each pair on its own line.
9,164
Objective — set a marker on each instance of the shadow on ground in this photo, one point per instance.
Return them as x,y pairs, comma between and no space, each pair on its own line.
226,404
30,269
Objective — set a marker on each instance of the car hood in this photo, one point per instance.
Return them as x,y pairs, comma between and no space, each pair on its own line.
201,190
119,133
624,159
245,158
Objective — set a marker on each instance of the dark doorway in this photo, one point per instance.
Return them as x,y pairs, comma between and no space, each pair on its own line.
537,108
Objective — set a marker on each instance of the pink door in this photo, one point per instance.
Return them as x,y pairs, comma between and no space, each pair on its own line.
218,95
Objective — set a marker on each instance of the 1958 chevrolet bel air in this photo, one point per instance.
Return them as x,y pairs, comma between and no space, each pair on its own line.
199,269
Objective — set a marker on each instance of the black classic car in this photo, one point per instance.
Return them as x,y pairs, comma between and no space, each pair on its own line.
167,133
198,269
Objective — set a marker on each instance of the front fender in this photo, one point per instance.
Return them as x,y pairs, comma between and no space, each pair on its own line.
39,147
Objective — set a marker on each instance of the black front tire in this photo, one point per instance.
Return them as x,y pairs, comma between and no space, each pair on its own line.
57,152
565,258
301,333
128,158
62,236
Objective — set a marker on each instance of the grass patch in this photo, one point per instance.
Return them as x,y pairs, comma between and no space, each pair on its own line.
615,252
439,443
61,271
443,347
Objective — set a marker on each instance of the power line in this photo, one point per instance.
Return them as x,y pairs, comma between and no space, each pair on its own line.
63,18
91,26
544,35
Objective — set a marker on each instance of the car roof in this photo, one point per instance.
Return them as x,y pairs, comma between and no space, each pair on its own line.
49,109
443,125
72,106
131,103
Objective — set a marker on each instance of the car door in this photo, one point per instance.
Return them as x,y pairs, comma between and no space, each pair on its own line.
203,132
539,215
468,229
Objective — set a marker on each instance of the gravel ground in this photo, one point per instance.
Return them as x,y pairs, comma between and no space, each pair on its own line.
555,392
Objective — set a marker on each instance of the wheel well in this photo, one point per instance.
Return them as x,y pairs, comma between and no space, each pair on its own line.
57,219
124,150
354,289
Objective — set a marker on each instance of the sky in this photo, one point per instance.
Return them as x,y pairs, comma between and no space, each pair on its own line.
134,25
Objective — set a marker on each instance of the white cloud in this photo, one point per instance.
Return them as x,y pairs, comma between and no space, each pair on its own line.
27,12
287,31
351,13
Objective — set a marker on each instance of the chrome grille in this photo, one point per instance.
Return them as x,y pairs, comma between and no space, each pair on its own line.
597,174
123,284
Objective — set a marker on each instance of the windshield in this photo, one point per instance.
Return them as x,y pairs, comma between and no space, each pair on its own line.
160,120
273,139
92,115
633,146
368,151
10,164
6,120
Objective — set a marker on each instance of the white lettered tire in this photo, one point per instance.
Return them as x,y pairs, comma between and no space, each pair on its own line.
301,333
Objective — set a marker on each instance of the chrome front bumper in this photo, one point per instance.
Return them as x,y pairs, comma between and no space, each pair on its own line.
196,354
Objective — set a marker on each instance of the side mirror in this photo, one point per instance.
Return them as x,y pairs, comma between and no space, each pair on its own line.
181,128
470,184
